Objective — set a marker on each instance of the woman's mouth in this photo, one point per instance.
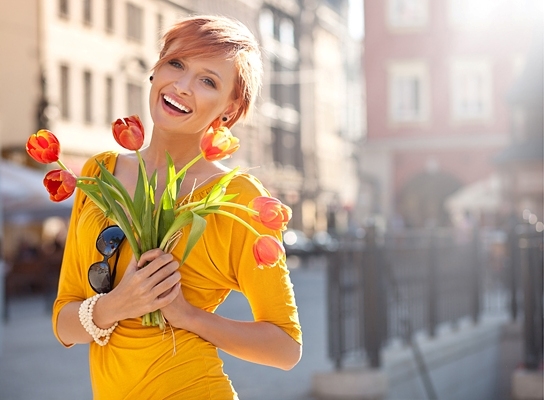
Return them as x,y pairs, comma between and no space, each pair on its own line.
174,105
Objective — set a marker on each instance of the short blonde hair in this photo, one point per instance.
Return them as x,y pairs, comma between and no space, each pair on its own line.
213,36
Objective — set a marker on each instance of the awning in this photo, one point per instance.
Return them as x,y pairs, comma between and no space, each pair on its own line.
480,196
23,198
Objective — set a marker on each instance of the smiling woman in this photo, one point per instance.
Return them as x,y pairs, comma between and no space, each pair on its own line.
205,80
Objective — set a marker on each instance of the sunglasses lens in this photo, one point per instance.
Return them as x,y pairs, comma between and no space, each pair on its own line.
99,277
109,240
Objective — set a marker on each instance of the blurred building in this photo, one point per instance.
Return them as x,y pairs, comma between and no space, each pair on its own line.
437,75
521,162
75,66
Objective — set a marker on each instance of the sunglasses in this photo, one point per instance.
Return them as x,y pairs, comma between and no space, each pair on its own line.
107,243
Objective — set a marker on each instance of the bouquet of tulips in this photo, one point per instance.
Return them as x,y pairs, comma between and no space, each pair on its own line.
148,225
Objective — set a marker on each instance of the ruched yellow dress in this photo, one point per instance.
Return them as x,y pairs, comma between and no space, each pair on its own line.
139,362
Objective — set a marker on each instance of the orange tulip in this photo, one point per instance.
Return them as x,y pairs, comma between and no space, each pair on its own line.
272,213
128,132
267,251
43,147
60,184
218,144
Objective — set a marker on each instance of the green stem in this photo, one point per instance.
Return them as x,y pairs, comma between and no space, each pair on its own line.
236,218
186,167
236,205
62,165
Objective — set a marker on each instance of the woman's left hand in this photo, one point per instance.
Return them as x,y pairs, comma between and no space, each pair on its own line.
178,310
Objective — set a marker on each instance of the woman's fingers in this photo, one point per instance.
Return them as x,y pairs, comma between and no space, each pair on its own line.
152,286
166,284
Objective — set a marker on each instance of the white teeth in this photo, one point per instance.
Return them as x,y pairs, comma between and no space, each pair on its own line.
176,104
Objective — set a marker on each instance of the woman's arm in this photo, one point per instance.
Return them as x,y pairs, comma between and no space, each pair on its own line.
258,342
139,292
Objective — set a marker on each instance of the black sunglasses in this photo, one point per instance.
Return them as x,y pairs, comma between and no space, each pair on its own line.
107,243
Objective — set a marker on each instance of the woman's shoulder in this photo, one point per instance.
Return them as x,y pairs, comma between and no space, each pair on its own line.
248,185
108,158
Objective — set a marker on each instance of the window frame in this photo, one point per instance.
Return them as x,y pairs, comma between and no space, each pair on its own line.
399,71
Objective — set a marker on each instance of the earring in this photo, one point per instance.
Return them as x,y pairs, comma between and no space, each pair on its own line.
225,118
151,78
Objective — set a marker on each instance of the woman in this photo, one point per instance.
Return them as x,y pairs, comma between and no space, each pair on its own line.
208,74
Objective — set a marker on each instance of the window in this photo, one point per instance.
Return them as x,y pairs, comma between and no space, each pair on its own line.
134,22
64,95
109,15
287,32
87,12
108,101
473,14
266,23
471,97
134,99
408,13
64,10
87,97
285,147
409,93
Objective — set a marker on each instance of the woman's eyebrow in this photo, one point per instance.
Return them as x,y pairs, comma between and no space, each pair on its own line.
212,72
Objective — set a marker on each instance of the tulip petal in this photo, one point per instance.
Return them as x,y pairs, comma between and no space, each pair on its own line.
128,132
267,251
43,147
60,184
272,213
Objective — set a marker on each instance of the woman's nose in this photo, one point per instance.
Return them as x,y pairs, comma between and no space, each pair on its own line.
183,84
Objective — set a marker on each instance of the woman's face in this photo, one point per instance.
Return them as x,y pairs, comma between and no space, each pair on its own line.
187,94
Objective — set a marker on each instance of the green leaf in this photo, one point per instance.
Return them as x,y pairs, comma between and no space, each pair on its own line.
140,192
181,220
120,217
228,197
197,229
121,195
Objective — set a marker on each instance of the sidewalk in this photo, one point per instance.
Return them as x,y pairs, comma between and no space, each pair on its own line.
33,365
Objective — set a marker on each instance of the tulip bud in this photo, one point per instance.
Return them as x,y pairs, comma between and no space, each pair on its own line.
272,213
43,147
218,144
267,250
128,132
60,184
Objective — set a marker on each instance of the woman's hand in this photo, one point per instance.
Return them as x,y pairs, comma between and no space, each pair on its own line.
141,290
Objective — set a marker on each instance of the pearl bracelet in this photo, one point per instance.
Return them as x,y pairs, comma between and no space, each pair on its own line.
86,319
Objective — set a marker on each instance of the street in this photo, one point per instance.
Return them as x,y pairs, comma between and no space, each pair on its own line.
33,365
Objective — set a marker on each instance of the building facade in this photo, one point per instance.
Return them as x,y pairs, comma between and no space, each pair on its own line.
437,74
75,66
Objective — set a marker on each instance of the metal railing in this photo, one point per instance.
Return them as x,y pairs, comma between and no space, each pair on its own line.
388,287
530,250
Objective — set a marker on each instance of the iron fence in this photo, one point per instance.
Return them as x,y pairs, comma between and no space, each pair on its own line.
388,287
530,250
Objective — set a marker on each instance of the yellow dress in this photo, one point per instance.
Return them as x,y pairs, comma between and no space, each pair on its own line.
139,362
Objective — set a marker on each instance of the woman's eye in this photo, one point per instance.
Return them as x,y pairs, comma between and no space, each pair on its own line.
175,63
209,82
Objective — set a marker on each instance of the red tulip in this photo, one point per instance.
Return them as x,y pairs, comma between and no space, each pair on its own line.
60,184
218,144
272,213
267,251
128,132
43,147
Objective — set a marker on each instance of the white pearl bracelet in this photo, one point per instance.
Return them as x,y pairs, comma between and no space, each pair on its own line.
86,319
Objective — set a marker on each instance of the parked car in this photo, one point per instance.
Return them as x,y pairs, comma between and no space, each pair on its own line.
296,243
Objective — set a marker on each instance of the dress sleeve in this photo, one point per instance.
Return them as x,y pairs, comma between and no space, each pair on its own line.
269,291
78,251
